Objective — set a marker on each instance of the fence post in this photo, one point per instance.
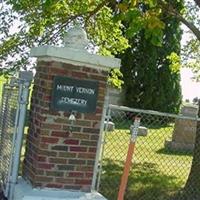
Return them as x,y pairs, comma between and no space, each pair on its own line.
99,145
24,83
102,149
127,165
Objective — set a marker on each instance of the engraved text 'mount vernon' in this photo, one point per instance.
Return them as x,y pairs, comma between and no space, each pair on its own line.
71,94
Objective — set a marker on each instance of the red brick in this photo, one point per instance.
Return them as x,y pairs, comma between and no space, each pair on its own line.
58,71
75,174
89,174
62,120
44,145
99,78
71,141
47,153
88,143
87,155
60,148
92,150
67,155
57,160
91,130
45,166
51,126
43,179
54,185
90,162
45,76
83,181
76,162
39,172
94,137
84,168
71,67
71,169
55,173
65,180
83,123
78,149
74,128
43,132
65,167
79,74
60,134
41,158
80,136
49,140
102,85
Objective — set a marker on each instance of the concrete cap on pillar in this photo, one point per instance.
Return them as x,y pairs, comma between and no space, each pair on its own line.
74,52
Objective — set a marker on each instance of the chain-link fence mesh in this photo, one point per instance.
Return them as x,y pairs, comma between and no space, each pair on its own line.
162,158
8,109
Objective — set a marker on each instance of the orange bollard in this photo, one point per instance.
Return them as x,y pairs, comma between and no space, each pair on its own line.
128,162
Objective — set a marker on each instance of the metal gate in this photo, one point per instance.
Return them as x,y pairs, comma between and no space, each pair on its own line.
12,117
162,158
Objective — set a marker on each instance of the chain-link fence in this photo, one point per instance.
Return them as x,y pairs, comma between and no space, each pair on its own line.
14,100
162,158
9,103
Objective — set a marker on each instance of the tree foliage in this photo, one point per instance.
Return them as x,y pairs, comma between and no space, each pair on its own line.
152,73
42,22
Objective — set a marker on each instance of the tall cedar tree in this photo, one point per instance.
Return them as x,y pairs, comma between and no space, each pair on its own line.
149,80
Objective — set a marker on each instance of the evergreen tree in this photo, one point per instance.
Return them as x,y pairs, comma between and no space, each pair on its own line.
150,79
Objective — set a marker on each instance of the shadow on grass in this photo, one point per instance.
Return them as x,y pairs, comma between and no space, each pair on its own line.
145,182
167,151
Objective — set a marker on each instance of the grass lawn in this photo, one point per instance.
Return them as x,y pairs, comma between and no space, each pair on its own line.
156,173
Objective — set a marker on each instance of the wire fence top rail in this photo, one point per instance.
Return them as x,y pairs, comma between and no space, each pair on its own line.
152,112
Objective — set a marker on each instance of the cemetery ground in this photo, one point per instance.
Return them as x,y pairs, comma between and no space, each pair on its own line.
157,172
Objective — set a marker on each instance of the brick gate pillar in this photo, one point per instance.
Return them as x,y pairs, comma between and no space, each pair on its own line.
69,82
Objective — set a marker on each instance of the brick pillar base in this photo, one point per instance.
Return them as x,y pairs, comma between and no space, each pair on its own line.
56,156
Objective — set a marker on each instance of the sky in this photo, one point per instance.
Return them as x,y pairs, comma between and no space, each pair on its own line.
190,88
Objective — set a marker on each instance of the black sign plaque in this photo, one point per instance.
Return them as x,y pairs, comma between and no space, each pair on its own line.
71,94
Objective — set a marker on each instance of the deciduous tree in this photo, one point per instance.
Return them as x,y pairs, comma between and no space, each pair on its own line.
152,73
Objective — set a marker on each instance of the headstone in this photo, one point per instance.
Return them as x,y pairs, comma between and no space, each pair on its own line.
65,118
142,131
116,96
183,137
109,126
